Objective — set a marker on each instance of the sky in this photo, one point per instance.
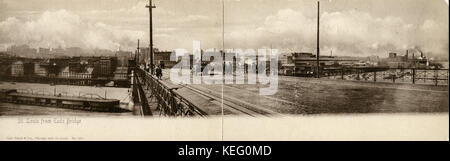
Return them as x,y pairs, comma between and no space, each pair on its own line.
348,27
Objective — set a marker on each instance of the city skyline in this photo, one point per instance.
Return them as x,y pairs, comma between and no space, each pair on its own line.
348,27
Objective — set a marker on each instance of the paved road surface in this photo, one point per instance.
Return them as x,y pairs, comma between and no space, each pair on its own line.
297,95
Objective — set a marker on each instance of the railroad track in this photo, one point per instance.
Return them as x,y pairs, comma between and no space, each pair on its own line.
234,105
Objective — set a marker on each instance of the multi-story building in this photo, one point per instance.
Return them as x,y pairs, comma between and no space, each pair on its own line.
65,73
3,54
406,61
59,51
74,51
17,69
162,58
105,65
122,58
305,64
85,74
5,67
28,68
121,73
75,65
40,70
21,50
55,66
286,65
45,53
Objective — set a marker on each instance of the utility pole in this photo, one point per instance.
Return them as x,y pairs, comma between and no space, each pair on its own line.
137,53
150,7
318,50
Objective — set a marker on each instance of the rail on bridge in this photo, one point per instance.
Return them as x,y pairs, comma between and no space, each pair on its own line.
155,96
393,75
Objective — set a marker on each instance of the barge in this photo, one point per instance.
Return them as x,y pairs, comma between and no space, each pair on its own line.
69,102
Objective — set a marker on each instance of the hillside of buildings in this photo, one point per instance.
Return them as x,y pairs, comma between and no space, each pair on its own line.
74,62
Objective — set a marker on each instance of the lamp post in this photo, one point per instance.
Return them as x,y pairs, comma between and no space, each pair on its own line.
318,48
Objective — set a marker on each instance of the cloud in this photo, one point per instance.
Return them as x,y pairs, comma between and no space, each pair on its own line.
66,29
350,32
108,28
3,6
346,33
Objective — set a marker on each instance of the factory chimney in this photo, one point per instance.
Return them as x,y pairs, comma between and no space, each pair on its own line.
406,56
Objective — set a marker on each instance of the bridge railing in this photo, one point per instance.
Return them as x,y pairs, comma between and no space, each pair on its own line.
394,75
170,102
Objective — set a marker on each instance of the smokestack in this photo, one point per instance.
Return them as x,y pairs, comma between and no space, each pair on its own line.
137,53
407,54
418,49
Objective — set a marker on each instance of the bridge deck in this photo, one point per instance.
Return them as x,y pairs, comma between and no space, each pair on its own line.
312,96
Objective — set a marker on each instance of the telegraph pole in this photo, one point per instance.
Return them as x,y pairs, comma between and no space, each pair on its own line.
137,53
150,7
318,50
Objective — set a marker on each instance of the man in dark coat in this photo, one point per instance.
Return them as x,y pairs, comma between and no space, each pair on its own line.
159,72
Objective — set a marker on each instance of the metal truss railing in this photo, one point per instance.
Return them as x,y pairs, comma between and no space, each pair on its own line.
169,101
394,75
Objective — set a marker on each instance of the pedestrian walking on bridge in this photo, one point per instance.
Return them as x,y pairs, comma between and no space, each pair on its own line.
159,72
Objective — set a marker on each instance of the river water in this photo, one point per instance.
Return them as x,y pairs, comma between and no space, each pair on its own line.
8,109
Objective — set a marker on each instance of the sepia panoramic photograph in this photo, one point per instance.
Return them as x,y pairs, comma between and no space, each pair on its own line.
213,60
